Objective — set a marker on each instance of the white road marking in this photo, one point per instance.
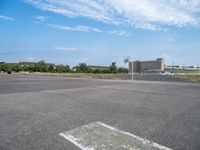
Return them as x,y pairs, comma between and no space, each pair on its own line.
98,136
74,141
145,141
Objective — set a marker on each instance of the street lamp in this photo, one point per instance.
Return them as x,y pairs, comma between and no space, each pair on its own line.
127,60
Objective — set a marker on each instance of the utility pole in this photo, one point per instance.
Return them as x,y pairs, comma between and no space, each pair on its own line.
127,60
132,69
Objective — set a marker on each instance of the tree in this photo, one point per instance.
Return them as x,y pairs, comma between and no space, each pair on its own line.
113,67
30,68
1,67
83,68
122,70
5,67
106,70
16,67
52,68
67,67
41,66
97,70
126,59
62,68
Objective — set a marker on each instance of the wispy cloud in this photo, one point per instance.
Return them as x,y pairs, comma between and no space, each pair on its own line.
81,28
71,49
41,18
67,49
74,8
149,26
145,14
6,18
119,33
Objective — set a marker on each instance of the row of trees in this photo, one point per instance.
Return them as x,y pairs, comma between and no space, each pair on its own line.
83,68
41,66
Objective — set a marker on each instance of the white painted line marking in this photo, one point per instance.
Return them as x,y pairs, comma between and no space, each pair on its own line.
74,141
145,141
98,136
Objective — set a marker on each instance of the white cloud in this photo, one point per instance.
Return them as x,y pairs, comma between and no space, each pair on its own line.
81,28
41,18
145,14
119,33
71,49
74,8
149,26
6,18
67,49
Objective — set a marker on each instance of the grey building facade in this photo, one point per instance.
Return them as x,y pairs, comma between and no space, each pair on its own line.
147,66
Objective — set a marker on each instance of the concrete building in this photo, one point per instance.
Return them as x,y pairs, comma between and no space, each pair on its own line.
147,66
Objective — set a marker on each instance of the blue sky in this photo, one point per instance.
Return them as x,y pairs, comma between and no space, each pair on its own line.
98,32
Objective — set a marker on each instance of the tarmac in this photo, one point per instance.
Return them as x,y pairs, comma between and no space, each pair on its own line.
35,110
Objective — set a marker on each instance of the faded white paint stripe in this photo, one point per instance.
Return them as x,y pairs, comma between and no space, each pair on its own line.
77,141
145,141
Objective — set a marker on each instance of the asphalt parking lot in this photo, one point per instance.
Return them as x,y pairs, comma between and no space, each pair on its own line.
35,110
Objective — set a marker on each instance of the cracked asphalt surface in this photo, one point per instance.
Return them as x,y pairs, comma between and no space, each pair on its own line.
35,110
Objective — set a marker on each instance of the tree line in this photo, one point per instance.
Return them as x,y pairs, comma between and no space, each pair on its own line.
42,66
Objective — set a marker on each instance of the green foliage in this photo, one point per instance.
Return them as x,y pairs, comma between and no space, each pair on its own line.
113,67
97,71
126,59
5,67
41,66
122,70
83,68
106,70
62,68
15,67
30,68
195,78
52,68
67,67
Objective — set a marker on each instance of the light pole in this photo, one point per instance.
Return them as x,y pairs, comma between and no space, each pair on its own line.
132,69
127,60
172,68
